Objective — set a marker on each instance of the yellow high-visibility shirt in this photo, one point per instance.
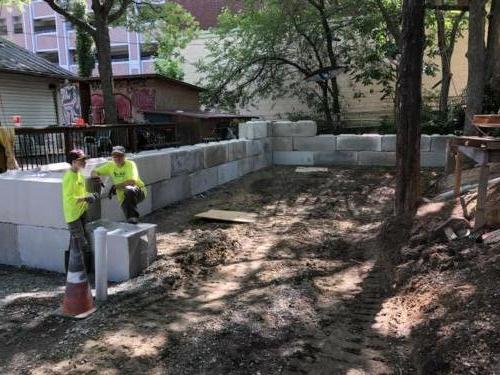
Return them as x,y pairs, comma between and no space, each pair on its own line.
121,174
73,188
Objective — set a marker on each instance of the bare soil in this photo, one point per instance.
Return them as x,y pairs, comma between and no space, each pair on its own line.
304,290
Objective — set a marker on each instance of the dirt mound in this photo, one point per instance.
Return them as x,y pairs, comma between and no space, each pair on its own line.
211,249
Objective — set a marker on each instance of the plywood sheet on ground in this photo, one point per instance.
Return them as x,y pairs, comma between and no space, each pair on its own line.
232,216
311,170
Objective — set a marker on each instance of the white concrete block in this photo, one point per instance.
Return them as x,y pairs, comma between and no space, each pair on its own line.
203,180
243,130
153,166
236,150
131,248
389,142
282,143
439,142
294,129
336,158
214,154
43,248
245,166
267,145
365,142
111,210
261,161
257,129
319,143
228,172
187,160
377,158
9,245
433,159
170,191
33,199
293,158
255,147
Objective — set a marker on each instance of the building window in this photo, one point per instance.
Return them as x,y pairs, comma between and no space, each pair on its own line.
18,24
119,53
69,26
53,57
148,51
3,26
44,25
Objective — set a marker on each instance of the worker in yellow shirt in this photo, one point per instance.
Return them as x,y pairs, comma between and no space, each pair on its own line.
76,200
130,189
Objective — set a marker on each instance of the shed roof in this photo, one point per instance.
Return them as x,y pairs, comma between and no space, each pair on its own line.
15,59
201,114
131,77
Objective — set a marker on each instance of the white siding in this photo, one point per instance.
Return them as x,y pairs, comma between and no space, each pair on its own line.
29,97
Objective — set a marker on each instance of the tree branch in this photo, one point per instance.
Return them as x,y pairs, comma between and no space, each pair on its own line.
119,12
70,17
391,25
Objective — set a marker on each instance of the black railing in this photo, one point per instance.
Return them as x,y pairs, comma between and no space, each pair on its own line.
40,146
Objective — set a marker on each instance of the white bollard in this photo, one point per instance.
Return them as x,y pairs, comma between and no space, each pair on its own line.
101,264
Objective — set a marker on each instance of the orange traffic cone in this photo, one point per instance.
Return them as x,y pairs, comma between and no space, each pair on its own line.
78,301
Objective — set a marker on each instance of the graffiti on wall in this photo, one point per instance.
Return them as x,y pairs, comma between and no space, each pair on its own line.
129,102
71,108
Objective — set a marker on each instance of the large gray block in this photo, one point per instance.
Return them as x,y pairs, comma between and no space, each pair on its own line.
282,143
293,158
365,142
170,191
267,145
215,154
255,147
187,160
377,158
245,166
204,180
236,150
228,172
111,210
154,166
9,245
336,158
433,159
262,161
43,248
254,130
439,142
294,129
389,142
319,143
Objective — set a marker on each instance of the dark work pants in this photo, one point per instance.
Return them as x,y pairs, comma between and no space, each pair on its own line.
78,239
133,196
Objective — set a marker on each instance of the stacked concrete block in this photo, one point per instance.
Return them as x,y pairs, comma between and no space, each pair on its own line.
365,142
293,158
377,158
9,246
319,143
228,172
204,180
246,166
42,247
389,142
294,129
237,149
282,143
254,130
255,147
187,160
170,191
214,154
154,166
343,158
111,210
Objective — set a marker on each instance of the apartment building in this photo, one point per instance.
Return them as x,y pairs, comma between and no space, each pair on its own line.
41,30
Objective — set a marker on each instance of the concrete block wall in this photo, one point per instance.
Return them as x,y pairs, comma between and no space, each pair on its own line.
296,143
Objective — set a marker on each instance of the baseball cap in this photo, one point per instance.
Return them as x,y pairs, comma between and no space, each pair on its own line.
118,150
76,154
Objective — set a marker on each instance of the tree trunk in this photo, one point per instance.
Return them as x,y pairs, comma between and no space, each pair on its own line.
492,79
409,108
476,56
326,104
103,47
445,65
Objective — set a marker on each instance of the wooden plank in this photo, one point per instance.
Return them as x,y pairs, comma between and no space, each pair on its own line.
487,121
311,170
458,173
482,192
231,216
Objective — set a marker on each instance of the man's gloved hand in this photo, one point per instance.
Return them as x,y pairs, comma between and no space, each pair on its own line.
112,192
92,198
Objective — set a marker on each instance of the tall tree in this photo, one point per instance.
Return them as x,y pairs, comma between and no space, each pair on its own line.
476,56
409,107
105,12
493,56
84,44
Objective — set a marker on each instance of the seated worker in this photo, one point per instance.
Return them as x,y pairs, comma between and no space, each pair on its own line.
129,187
76,201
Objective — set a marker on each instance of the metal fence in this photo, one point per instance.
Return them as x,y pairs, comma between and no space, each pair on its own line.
35,147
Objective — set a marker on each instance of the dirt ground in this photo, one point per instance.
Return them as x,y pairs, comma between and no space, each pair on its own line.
301,291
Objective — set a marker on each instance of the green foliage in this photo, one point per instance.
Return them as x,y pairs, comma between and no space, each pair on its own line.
171,28
85,54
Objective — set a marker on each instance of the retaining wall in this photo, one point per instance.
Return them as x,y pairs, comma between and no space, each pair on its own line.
32,229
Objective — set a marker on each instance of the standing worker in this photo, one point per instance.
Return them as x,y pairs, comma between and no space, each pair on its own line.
76,199
127,184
